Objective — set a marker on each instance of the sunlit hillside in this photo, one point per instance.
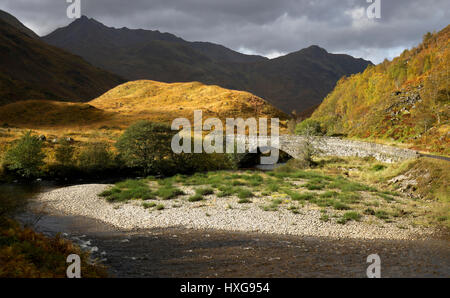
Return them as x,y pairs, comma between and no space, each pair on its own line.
106,117
406,100
164,102
46,113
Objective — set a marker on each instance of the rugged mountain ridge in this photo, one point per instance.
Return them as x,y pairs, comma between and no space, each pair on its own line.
296,81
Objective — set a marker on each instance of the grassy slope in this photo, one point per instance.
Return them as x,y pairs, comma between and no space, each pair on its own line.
129,102
164,102
404,100
38,113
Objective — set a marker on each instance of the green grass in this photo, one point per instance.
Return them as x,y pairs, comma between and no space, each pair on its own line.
294,209
244,201
195,198
238,183
391,193
271,207
378,167
325,217
168,182
131,183
204,191
323,202
110,192
244,194
128,190
386,197
348,186
340,206
277,202
160,207
168,192
272,187
349,216
349,197
316,184
329,194
382,214
369,211
148,205
306,196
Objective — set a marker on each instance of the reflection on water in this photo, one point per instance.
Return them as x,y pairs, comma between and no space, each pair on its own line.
15,196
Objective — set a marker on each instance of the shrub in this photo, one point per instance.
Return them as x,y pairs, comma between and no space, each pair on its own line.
64,153
26,157
96,157
309,127
27,254
145,145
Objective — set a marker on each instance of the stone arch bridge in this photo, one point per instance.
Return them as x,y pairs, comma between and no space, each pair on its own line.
329,146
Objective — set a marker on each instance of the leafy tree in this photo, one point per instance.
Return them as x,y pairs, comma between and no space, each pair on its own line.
309,127
26,157
310,147
64,153
96,157
147,146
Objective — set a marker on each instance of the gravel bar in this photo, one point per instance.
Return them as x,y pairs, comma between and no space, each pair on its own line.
214,213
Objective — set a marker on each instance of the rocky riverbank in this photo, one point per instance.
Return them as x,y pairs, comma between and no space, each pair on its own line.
215,213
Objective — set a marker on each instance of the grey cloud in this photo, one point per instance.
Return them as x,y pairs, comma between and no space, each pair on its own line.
259,26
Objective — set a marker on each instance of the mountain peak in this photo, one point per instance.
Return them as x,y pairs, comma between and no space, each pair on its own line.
316,49
86,21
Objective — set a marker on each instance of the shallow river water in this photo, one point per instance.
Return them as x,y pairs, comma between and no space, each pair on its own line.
179,252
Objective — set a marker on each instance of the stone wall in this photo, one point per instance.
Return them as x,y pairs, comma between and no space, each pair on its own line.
384,153
341,147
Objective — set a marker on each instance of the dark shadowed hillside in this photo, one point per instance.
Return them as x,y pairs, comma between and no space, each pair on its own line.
294,82
13,21
32,69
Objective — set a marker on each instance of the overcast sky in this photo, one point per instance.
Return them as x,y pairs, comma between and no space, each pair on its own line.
266,27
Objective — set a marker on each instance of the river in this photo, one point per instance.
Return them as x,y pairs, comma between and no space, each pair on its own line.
179,252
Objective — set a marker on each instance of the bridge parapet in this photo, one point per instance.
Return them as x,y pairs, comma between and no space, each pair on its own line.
330,146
